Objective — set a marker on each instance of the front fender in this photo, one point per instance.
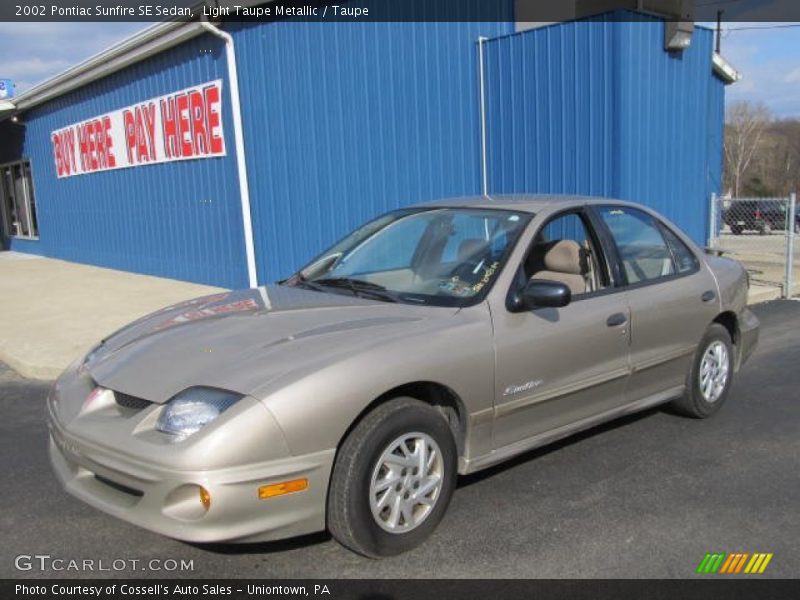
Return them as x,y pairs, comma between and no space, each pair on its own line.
315,409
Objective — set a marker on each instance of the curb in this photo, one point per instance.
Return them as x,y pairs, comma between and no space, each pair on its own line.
30,370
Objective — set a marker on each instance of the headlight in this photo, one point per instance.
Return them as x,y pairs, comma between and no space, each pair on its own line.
86,361
193,409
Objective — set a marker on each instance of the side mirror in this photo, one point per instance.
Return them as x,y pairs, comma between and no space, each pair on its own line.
540,293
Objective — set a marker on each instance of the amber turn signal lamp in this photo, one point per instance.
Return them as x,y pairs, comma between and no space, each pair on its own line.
279,489
205,497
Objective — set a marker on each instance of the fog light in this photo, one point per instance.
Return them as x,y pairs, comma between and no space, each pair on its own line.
205,498
182,502
279,489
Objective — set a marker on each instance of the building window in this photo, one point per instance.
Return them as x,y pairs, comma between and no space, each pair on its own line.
18,203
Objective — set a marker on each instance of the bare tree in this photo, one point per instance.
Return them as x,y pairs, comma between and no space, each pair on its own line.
745,125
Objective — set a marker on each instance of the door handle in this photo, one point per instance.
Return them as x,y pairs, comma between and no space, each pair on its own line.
708,296
616,320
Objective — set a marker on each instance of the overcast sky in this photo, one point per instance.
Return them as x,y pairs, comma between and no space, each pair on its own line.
769,59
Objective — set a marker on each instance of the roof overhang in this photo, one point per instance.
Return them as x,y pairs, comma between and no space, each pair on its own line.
139,46
725,70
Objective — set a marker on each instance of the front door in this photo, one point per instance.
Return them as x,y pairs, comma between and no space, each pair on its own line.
558,366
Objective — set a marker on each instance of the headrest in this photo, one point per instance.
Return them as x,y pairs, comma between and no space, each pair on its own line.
566,256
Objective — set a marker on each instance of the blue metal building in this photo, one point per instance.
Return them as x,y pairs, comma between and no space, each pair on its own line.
328,125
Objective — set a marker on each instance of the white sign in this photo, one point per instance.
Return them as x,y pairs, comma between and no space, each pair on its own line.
179,126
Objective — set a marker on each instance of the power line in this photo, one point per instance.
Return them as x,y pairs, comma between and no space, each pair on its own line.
751,28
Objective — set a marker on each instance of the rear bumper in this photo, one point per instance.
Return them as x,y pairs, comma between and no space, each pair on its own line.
167,501
748,333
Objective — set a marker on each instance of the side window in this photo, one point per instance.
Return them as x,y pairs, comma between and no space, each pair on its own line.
644,252
685,259
563,251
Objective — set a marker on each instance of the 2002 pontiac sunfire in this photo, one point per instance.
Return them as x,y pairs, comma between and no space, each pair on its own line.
435,340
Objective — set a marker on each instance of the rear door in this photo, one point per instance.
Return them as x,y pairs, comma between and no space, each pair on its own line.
671,296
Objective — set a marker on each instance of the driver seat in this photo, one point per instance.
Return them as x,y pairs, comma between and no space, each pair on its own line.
564,261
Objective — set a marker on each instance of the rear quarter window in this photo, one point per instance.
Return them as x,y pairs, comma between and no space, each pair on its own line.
685,260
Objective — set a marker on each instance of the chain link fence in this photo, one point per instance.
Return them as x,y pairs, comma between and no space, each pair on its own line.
760,233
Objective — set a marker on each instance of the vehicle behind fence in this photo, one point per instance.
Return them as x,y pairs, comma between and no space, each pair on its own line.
760,233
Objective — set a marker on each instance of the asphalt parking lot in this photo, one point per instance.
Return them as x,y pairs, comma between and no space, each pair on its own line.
647,496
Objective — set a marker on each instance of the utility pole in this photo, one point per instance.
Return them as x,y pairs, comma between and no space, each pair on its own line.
719,30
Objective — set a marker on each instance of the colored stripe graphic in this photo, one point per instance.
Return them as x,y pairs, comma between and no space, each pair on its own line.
727,564
741,562
711,563
734,563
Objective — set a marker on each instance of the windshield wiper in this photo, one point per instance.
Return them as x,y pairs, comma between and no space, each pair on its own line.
359,287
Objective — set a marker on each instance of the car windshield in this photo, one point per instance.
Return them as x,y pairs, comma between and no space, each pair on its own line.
438,256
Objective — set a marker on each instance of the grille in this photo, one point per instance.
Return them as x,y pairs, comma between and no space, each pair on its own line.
131,402
119,487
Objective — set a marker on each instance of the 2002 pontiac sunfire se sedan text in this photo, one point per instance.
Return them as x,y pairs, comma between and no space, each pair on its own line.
435,340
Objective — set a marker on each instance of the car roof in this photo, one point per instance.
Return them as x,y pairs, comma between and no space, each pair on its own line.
532,203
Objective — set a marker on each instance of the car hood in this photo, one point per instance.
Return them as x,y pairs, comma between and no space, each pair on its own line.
243,339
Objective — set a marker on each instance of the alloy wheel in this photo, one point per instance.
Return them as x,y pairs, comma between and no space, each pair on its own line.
714,371
406,482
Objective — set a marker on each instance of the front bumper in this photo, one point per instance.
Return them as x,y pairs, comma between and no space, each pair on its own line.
148,496
121,479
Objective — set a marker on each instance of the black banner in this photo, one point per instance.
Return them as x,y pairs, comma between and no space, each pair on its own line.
395,589
396,10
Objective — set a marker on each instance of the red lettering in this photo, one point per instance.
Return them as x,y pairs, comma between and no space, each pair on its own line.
92,144
149,112
198,112
59,159
214,128
184,128
70,162
130,133
142,153
169,126
83,145
111,160
100,143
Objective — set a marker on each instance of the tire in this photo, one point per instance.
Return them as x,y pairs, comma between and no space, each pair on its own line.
696,402
360,467
736,230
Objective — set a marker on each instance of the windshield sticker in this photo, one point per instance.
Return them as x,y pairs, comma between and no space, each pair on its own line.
456,287
487,277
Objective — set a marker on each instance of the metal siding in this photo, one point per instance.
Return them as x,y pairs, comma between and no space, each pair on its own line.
548,110
180,219
665,124
599,108
345,121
